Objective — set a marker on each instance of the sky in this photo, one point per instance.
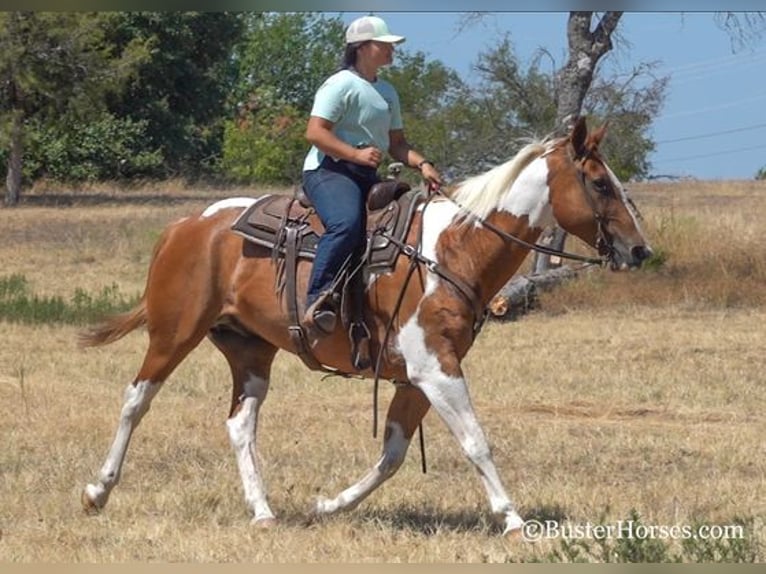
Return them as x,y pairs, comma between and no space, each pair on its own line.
713,122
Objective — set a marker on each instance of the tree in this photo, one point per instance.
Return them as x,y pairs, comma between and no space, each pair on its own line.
429,94
280,62
52,64
588,44
265,143
590,37
289,53
182,91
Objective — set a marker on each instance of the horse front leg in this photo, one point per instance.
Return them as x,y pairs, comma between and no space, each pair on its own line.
449,397
407,409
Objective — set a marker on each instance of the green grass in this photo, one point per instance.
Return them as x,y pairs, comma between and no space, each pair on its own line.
19,305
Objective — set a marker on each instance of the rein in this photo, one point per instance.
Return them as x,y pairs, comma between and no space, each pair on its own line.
532,246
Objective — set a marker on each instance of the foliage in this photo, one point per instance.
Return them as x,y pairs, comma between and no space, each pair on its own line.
523,103
629,102
430,96
265,143
281,61
57,61
290,54
761,174
18,304
103,148
55,64
192,94
180,93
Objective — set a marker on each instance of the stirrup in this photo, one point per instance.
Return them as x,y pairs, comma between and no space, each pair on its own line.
360,346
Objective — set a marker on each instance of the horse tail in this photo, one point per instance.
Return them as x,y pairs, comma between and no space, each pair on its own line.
114,328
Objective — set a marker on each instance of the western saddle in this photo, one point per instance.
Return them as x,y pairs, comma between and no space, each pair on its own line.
290,226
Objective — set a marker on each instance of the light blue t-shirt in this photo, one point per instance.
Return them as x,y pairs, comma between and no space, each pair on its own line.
362,112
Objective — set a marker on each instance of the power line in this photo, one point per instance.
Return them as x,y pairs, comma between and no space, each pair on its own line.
734,104
712,134
715,154
704,69
714,63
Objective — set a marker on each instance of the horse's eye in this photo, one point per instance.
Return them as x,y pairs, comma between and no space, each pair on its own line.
601,186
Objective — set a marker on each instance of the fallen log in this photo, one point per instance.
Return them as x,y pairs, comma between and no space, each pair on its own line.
520,294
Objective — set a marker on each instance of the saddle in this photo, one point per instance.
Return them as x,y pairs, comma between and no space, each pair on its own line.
291,228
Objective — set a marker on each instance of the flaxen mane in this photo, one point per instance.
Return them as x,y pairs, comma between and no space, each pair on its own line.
481,194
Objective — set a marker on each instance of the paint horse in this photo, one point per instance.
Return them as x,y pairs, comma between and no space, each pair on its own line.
206,281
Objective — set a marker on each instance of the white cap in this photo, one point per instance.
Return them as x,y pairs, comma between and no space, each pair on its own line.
370,28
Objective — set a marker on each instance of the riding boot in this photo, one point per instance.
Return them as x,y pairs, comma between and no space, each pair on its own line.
321,315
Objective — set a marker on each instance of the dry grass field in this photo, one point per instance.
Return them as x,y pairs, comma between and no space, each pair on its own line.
626,395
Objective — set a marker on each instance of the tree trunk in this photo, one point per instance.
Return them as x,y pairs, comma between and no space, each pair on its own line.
13,179
554,238
573,81
15,157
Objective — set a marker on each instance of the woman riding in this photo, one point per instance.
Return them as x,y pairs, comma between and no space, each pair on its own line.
356,116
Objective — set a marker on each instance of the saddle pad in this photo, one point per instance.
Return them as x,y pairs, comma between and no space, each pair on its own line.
264,223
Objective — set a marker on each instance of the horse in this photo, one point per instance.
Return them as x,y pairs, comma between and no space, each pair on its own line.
205,281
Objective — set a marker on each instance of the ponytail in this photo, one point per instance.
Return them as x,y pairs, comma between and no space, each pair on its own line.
349,55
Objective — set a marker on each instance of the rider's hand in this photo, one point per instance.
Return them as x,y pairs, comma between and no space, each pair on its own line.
369,156
431,175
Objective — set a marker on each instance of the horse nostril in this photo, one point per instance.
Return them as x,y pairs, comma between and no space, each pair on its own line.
640,252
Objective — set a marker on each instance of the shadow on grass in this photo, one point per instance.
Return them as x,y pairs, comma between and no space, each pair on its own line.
431,521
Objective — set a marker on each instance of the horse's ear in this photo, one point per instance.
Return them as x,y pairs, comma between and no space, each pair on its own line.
597,135
579,137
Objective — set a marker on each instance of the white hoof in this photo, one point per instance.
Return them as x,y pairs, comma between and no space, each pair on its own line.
264,523
513,524
93,498
324,506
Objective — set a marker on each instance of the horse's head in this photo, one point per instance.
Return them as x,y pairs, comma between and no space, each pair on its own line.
590,202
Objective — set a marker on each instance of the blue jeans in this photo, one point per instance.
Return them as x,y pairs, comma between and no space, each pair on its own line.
338,191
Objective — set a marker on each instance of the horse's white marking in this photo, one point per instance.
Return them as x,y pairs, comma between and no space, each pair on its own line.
530,196
242,435
436,218
421,362
481,194
394,450
231,202
449,397
138,397
624,197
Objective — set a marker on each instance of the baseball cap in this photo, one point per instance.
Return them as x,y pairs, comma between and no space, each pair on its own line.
370,28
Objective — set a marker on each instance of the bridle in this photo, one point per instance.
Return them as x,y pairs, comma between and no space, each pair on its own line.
604,240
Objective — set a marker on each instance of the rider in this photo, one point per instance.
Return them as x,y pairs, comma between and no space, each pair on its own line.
355,118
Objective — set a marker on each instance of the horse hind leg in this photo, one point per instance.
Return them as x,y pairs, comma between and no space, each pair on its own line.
138,397
407,409
250,359
167,348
